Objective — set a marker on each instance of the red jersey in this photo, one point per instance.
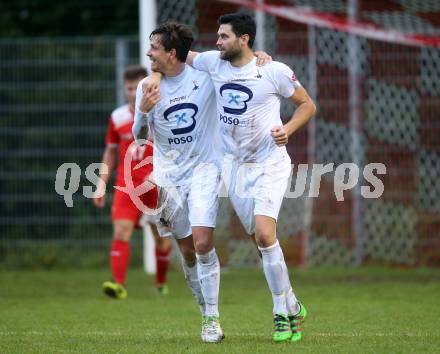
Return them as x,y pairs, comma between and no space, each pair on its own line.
119,134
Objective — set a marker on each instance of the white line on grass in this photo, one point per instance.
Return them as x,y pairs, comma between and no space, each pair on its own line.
235,334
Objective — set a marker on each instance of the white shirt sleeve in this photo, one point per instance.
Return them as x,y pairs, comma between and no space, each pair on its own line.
204,61
284,79
140,127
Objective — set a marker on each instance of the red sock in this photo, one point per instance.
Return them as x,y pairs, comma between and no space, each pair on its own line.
119,256
162,261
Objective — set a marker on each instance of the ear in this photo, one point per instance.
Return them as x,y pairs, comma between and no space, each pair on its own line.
244,39
173,53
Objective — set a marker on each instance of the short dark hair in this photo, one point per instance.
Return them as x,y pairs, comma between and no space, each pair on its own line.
177,36
133,72
241,23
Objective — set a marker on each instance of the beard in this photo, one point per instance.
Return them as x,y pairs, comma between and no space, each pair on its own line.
231,54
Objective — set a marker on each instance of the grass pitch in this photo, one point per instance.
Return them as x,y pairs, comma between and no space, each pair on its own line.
367,310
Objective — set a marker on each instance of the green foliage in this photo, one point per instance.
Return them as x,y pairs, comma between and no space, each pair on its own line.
29,18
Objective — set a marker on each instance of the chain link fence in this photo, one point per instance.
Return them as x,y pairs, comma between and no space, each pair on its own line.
56,96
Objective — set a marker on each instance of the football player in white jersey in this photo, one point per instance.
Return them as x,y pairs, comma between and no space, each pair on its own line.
248,104
186,162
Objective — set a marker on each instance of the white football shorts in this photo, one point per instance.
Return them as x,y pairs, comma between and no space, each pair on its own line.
188,205
258,189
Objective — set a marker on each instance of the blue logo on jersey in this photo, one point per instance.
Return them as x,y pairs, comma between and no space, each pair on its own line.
189,108
181,118
235,97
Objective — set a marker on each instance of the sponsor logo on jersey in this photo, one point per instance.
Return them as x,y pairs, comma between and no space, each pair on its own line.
235,97
180,140
177,99
184,115
229,120
181,118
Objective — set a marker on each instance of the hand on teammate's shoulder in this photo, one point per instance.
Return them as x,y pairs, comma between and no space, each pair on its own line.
262,58
152,82
150,96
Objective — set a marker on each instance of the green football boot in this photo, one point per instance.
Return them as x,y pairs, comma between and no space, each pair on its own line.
114,290
296,322
162,290
282,330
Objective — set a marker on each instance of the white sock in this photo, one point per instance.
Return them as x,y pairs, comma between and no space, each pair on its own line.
208,268
192,279
277,276
292,302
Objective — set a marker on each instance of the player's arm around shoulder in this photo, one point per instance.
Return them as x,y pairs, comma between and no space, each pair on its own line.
145,101
152,82
262,57
148,92
203,61
191,56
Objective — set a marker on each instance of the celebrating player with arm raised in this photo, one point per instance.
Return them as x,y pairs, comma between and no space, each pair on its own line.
248,104
186,162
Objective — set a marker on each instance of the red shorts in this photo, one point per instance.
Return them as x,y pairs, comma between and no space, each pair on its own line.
124,208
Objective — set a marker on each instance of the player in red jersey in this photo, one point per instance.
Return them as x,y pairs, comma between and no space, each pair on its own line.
125,214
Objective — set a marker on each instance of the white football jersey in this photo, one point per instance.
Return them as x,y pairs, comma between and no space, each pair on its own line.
248,104
184,125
